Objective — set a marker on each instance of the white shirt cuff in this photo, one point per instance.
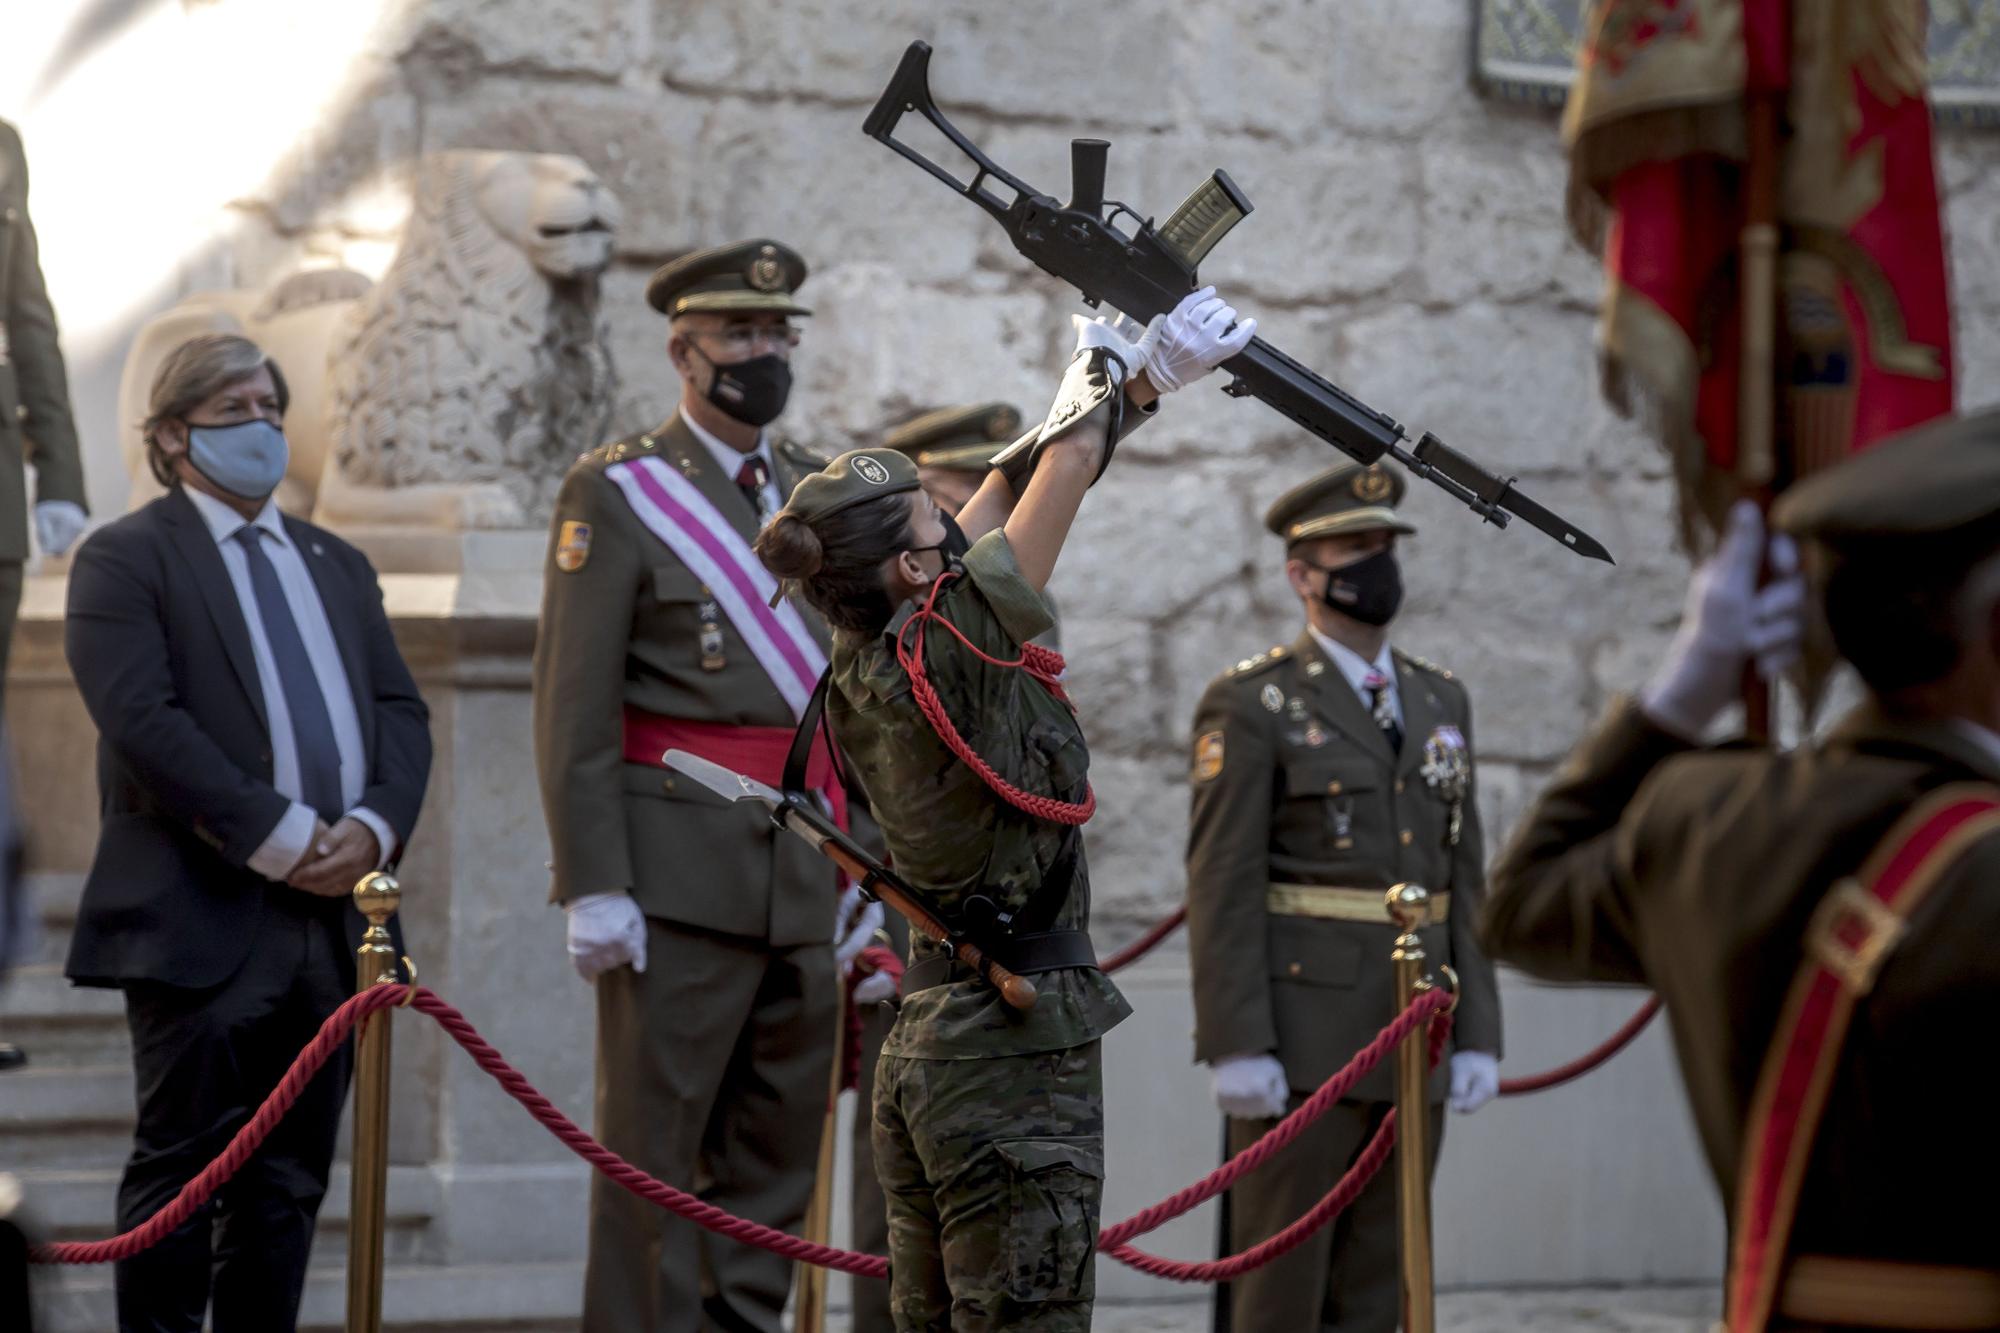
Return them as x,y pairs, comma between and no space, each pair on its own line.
385,837
286,844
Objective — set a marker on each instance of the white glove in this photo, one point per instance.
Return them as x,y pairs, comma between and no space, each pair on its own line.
855,923
1728,621
1195,339
1131,342
606,930
1250,1087
874,988
58,523
1475,1080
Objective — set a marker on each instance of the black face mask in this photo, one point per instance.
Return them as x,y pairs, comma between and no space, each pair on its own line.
953,547
1370,590
753,391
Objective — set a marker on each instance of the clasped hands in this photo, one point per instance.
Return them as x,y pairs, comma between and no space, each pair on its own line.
336,858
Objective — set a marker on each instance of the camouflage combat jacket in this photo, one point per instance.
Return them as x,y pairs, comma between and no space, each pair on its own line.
948,834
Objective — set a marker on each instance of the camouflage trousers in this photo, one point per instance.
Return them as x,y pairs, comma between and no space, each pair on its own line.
993,1169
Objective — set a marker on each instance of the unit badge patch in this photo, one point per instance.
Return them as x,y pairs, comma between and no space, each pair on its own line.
572,546
1207,756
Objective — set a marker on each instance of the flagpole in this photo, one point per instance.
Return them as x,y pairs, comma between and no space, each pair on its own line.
1757,442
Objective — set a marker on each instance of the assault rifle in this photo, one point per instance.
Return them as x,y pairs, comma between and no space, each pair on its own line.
1146,270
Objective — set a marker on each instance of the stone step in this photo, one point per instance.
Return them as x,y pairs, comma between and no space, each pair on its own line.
40,1099
55,1117
416,1298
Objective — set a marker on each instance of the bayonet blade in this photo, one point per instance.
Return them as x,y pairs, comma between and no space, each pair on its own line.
1433,457
724,782
1570,535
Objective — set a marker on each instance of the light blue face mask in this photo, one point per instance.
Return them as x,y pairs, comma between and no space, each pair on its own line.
247,460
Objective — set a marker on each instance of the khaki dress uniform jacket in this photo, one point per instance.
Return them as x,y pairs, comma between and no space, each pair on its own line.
1296,786
35,422
1696,873
713,1063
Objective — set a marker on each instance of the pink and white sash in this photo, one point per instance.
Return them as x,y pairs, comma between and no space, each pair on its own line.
681,516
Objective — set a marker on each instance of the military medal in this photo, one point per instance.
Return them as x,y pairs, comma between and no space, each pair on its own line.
1272,698
1343,824
711,634
1448,770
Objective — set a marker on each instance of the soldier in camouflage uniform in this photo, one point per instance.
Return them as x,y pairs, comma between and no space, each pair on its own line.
1324,771
953,449
988,1121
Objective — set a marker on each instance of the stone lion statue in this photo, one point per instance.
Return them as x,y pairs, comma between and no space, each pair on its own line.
454,392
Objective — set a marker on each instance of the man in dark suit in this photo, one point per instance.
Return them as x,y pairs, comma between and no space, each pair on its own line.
262,746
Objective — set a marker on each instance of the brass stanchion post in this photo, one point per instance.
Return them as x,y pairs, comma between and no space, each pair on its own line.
809,1315
1410,908
378,896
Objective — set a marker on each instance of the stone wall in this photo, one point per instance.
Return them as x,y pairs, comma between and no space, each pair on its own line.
1408,242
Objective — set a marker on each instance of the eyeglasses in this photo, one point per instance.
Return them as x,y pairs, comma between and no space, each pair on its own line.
748,339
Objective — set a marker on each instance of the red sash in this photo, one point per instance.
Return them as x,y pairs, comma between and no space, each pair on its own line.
755,752
1855,928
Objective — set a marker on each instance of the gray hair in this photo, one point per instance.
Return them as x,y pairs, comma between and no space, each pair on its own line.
194,372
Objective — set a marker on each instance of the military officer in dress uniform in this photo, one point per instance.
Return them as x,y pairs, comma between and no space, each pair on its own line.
1776,900
705,930
35,422
1324,771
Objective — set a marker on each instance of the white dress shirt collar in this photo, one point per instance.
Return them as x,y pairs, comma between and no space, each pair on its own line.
727,456
224,522
1356,667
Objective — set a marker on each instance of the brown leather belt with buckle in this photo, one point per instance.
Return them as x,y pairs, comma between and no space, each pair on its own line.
1329,902
1875,1293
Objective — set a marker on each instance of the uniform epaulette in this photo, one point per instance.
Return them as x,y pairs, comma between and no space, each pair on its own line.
1424,664
617,451
799,454
1251,665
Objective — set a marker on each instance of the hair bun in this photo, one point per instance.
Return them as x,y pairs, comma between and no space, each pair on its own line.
789,548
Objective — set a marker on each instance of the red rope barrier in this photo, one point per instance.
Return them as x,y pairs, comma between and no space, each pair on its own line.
1345,1190
1146,943
246,1141
1430,1007
1285,1131
1589,1060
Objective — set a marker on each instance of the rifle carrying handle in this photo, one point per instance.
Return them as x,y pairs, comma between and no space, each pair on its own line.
1017,991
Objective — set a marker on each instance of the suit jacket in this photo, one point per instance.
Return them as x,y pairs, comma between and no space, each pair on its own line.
624,627
1696,873
34,390
1295,783
162,656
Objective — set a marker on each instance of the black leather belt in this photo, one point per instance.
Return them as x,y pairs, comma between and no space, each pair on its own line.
1024,955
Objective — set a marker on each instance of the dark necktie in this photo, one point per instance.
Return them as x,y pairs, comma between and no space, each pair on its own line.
312,726
750,479
1377,686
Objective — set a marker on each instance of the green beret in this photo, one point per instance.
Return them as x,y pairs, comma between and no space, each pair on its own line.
1354,497
749,277
1940,481
853,478
957,439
